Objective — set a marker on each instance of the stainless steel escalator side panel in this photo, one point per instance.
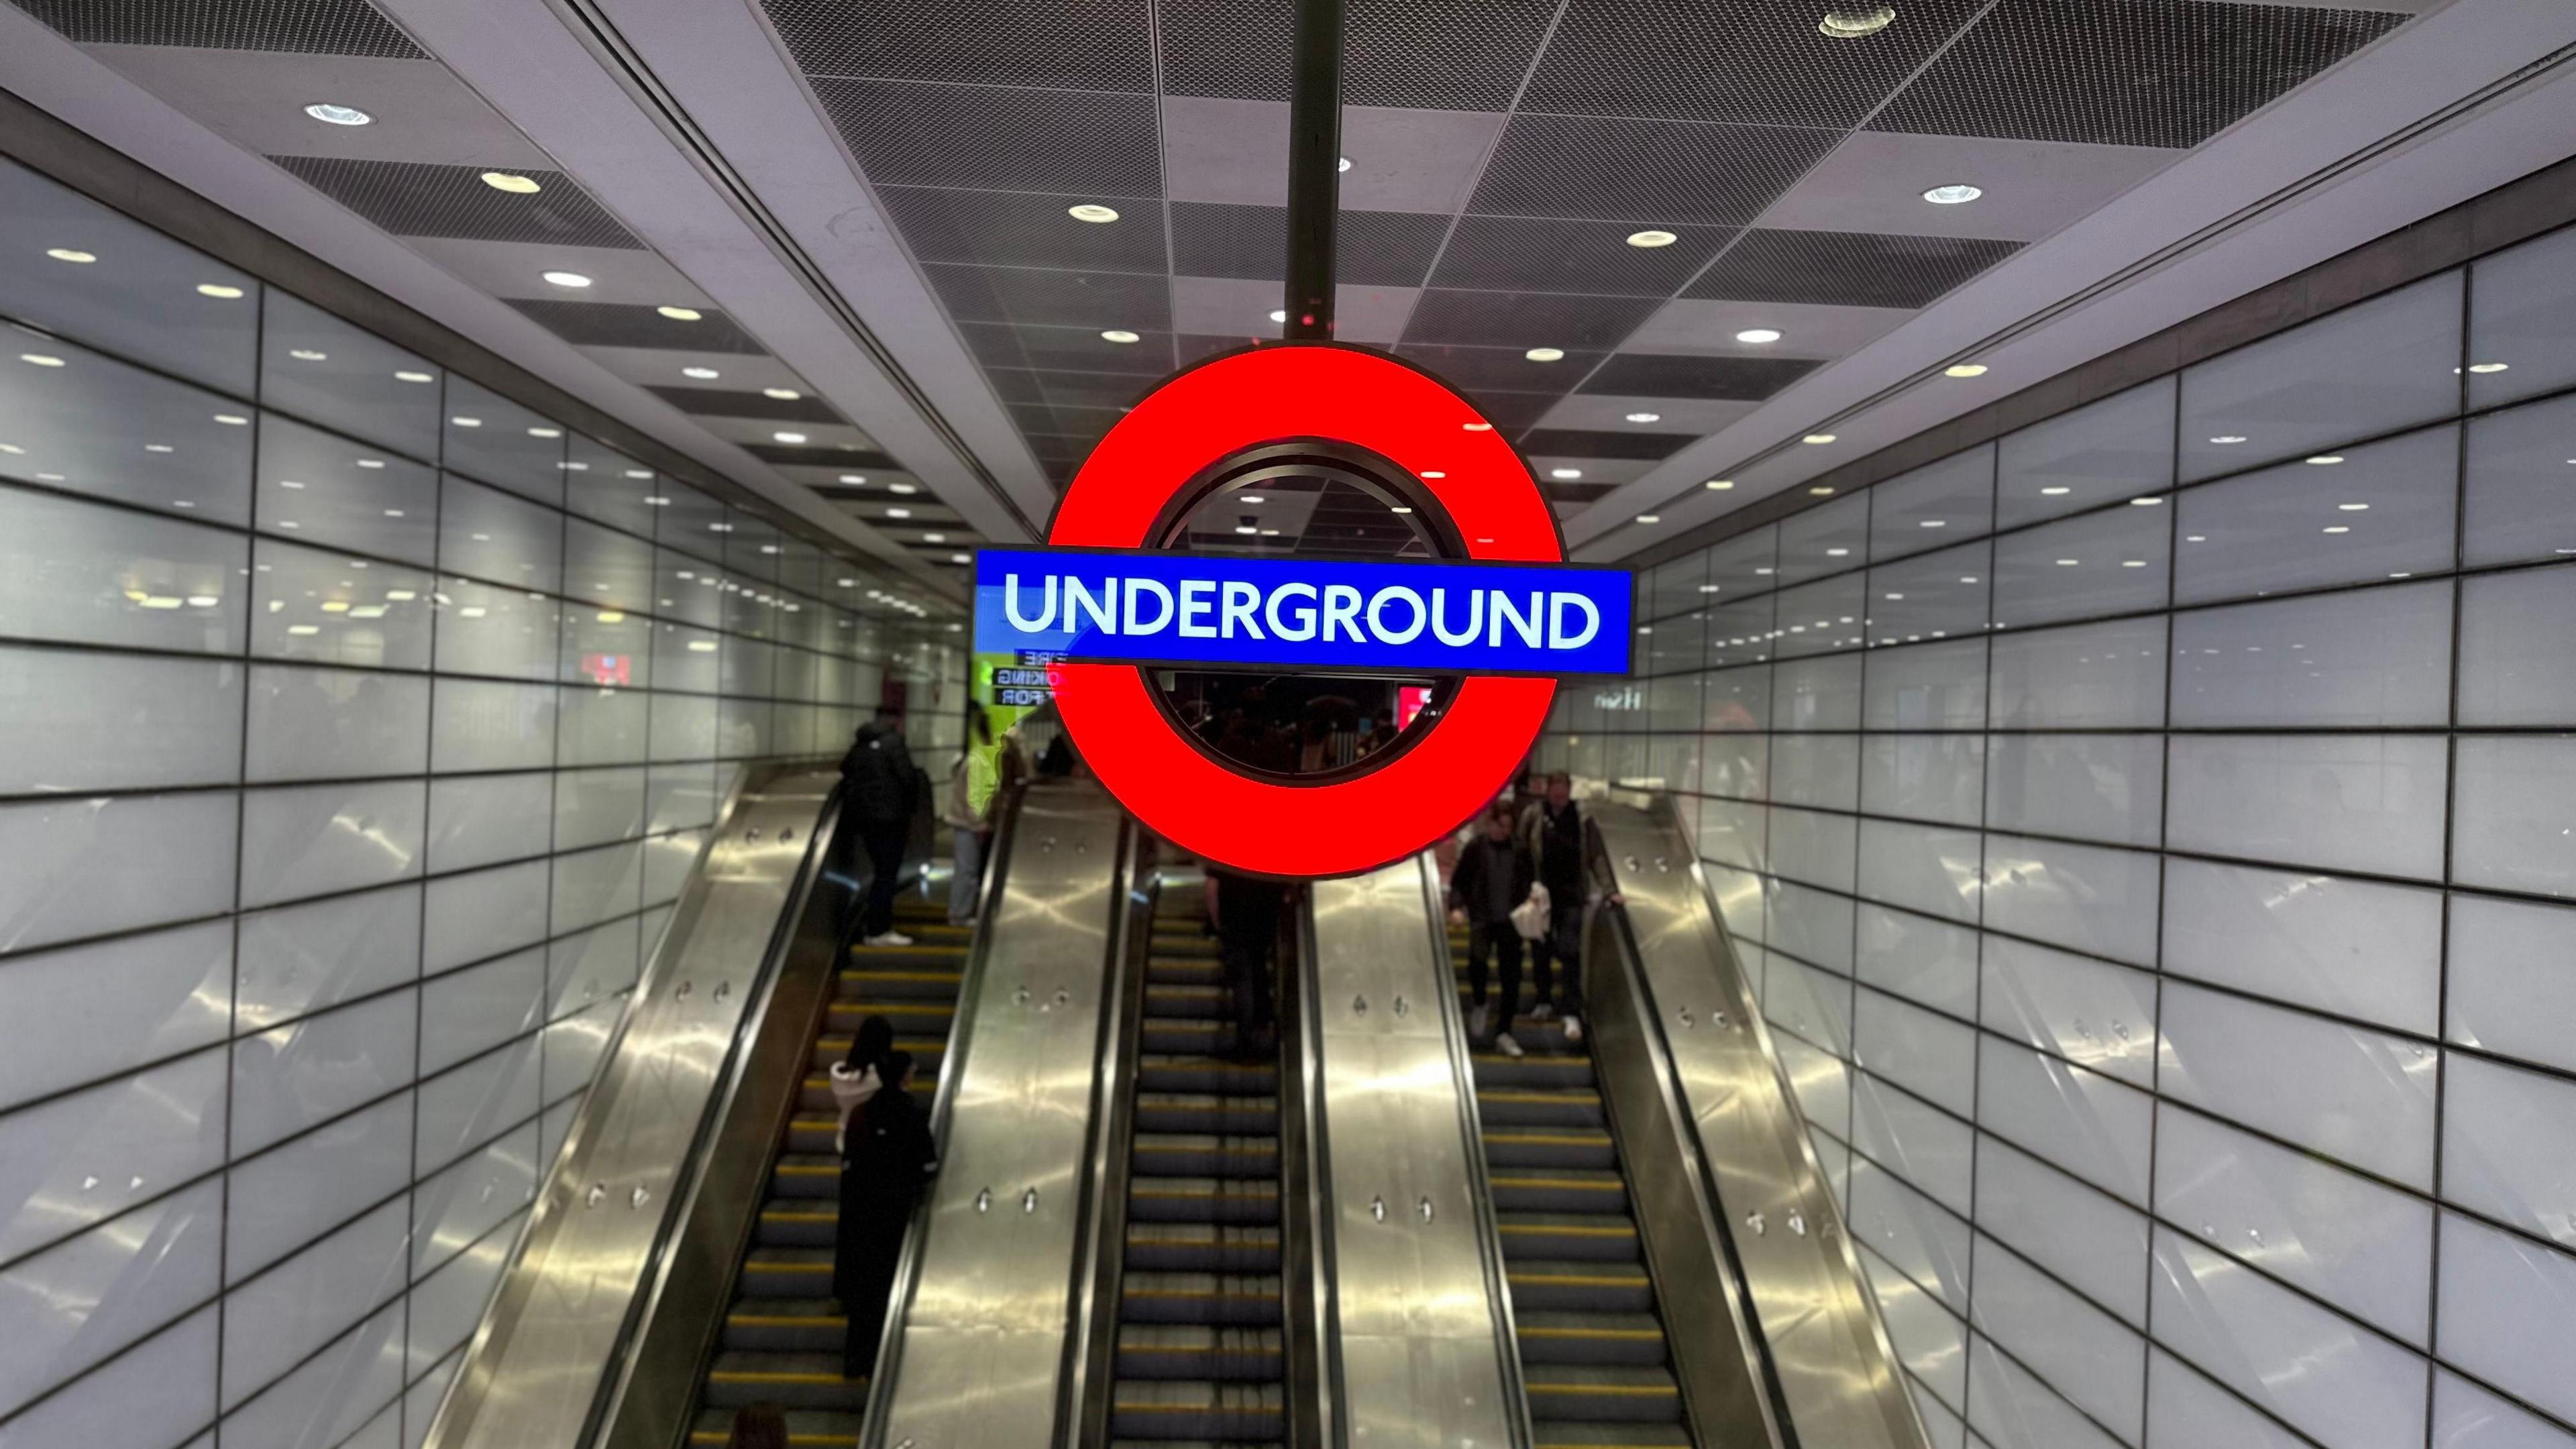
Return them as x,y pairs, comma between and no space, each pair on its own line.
555,1335
1832,1366
1420,1319
1091,1358
987,1291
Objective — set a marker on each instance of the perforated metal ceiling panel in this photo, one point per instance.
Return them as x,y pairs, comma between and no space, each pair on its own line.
412,199
311,27
622,324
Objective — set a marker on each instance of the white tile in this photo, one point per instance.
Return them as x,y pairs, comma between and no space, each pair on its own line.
2516,658
1816,770
2358,1096
2088,897
75,572
1926,961
2356,1244
468,1012
2092,676
1940,778
1929,1055
572,1049
504,632
492,536
2501,1314
593,807
1935,504
332,724
668,860
322,488
1931,596
1929,1149
151,1397
2120,447
2521,307
293,1077
142,722
1814,1004
2096,1361
2095,1243
301,959
590,886
421,1400
1816,694
2082,1121
1810,924
85,424
319,606
472,1104
471,1198
605,570
80,1301
1921,867
679,797
2362,657
2517,485
607,726
1731,832
283,1199
2466,1416
489,818
684,658
2355,948
2014,1409
1924,1240
2091,786
590,966
2507,1151
1813,847
1930,1341
1926,686
490,725
479,915
2514,822
86,1013
308,840
2273,531
2341,802
1819,1080
83,1157
274,1320
2338,1382
2367,368
446,1305
2513,978
2186,1409
2103,563
2090,1012
84,867
331,1395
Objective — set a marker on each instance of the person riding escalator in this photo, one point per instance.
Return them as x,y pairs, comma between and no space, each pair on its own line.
880,789
886,1157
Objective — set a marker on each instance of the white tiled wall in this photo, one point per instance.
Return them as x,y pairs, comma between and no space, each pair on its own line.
358,728
2154,837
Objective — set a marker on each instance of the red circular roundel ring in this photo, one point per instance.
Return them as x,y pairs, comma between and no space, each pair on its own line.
1272,394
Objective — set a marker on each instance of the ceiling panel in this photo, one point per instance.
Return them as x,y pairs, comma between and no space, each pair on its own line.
1845,268
318,27
413,199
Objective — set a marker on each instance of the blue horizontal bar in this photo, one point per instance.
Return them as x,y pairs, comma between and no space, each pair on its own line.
1290,613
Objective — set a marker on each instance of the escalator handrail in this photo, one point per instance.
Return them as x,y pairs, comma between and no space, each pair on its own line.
1315,1404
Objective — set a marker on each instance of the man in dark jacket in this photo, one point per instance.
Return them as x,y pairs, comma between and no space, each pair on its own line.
1492,879
880,787
1245,911
1566,847
886,1158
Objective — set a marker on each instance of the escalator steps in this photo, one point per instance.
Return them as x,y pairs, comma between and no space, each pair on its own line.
783,1334
1594,1358
1200,1356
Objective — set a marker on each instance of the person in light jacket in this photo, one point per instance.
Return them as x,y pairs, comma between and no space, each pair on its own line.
888,1156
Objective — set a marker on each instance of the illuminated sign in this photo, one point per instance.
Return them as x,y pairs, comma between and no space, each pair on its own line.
1374,417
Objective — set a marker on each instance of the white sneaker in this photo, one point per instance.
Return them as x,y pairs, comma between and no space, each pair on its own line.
888,938
1542,1012
1510,1047
1573,1028
1477,1018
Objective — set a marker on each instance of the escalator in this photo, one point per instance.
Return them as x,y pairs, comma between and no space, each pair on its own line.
1200,1354
1595,1360
782,1336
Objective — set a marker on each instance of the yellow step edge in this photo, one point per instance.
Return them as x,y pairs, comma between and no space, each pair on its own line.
1543,1230
773,1320
771,1376
1192,1293
1556,1182
1582,1280
782,1215
1551,1139
787,1267
1629,1335
1577,1094
835,1441
1637,1391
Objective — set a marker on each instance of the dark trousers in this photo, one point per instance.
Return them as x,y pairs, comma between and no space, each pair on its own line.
870,1244
1563,943
1247,954
885,842
1491,938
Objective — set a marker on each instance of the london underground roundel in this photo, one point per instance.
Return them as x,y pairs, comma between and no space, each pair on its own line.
1505,619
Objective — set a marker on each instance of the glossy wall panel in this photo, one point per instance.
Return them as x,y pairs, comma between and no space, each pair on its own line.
350,768
2167,916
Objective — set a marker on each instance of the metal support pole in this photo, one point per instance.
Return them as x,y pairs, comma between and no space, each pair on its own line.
1314,169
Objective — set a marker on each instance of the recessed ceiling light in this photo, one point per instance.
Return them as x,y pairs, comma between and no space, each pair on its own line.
1758,334
1822,490
1650,518
1565,473
783,394
1718,485
1818,438
1954,194
232,420
2146,502
1397,508
1849,22
71,254
702,374
2055,491
1651,238
898,513
1545,354
337,115
1120,335
1964,369
1091,211
2226,439
934,538
854,478
676,314
159,448
2339,528
407,375
1250,498
1837,553
1489,427
545,432
2485,367
1345,166
307,354
40,359
2068,563
2323,459
1645,417
1934,523
567,279
514,184
2354,507
220,291
371,463
1247,528
901,488
959,558
1278,314
789,437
